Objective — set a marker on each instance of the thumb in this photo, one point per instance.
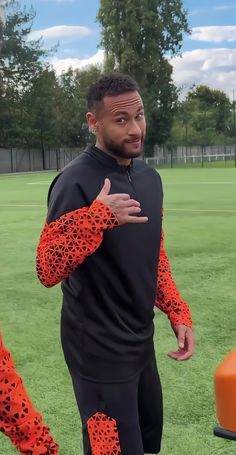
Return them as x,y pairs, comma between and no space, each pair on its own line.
105,189
181,338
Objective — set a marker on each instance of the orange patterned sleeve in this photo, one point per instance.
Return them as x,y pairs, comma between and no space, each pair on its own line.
19,420
168,298
67,241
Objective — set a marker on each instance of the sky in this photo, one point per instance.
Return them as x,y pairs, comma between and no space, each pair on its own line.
208,55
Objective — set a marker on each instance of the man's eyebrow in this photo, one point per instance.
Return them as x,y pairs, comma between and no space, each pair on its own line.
141,108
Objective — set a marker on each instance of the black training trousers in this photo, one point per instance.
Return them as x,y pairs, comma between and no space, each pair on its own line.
121,418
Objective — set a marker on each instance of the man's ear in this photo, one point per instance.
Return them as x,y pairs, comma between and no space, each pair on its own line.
92,122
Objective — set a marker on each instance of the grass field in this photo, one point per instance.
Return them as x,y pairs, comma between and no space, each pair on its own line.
200,222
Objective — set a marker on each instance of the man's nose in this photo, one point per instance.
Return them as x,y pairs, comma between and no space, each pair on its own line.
134,129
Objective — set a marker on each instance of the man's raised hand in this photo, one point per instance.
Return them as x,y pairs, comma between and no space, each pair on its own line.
124,208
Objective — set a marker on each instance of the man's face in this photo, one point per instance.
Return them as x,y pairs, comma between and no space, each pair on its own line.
120,125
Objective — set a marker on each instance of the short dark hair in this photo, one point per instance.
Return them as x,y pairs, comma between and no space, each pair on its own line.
112,84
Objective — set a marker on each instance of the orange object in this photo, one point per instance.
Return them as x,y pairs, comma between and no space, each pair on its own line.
225,396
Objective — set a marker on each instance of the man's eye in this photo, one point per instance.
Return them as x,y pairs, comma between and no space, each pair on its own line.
140,116
121,120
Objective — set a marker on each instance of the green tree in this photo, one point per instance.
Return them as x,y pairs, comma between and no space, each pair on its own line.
40,112
216,102
74,85
202,118
21,58
137,36
21,61
2,23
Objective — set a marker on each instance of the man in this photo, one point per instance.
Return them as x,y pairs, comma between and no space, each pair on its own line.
103,239
18,418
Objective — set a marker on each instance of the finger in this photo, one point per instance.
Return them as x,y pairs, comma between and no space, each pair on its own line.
190,342
181,337
174,355
120,196
131,203
105,189
137,219
180,356
124,203
133,210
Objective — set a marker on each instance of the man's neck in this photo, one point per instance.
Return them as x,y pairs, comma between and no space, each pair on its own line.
120,160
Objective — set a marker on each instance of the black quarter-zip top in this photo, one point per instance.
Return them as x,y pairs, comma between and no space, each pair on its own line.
107,312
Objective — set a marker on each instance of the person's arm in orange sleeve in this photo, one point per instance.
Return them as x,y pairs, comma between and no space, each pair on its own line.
169,300
19,420
66,242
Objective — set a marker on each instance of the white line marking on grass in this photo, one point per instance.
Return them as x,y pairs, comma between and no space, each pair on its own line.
22,205
38,183
27,173
200,183
202,210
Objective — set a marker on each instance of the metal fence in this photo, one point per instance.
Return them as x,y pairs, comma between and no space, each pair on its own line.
197,156
24,160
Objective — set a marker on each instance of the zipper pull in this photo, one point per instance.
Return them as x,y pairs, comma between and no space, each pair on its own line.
129,177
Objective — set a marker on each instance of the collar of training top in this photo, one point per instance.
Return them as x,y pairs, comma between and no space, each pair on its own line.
107,159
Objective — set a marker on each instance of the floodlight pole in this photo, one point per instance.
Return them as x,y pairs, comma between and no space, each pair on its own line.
234,124
234,119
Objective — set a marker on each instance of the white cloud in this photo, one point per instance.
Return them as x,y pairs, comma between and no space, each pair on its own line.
213,67
61,65
196,12
215,34
60,1
61,31
225,8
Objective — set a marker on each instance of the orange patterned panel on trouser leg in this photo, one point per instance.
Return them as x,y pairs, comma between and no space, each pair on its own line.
18,418
103,435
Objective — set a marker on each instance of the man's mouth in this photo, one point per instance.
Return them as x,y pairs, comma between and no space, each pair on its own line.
135,141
